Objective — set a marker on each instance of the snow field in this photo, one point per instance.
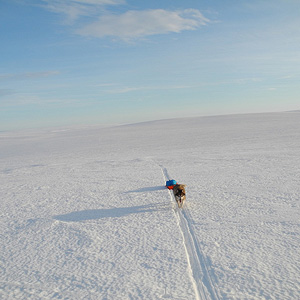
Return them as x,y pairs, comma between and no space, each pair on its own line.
84,252
85,215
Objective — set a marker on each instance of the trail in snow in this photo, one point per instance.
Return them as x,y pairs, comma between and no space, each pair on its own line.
199,271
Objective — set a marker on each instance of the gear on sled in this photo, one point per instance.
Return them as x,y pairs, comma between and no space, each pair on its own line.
170,184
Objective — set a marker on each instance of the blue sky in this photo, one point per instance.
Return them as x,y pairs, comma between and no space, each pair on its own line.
120,61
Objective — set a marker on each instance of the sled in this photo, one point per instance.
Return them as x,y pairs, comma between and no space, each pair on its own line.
170,184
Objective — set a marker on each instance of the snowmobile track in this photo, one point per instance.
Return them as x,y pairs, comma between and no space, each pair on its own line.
198,268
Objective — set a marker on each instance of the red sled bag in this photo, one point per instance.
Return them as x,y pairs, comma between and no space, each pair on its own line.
170,184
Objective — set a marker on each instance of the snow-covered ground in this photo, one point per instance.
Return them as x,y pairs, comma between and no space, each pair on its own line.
85,215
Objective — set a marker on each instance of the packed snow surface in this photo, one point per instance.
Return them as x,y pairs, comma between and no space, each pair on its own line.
85,214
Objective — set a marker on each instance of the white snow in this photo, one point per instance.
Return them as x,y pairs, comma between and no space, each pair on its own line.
85,215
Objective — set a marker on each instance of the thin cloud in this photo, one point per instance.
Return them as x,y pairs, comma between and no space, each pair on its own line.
129,89
132,24
74,9
30,99
137,24
5,92
123,90
28,75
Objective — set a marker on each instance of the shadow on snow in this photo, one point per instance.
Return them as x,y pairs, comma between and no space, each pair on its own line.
147,189
94,214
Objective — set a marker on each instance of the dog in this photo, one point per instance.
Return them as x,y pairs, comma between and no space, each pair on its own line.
179,194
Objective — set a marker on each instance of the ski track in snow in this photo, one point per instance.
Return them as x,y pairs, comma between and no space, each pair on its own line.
199,271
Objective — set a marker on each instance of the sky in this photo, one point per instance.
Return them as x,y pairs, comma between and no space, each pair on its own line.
88,62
